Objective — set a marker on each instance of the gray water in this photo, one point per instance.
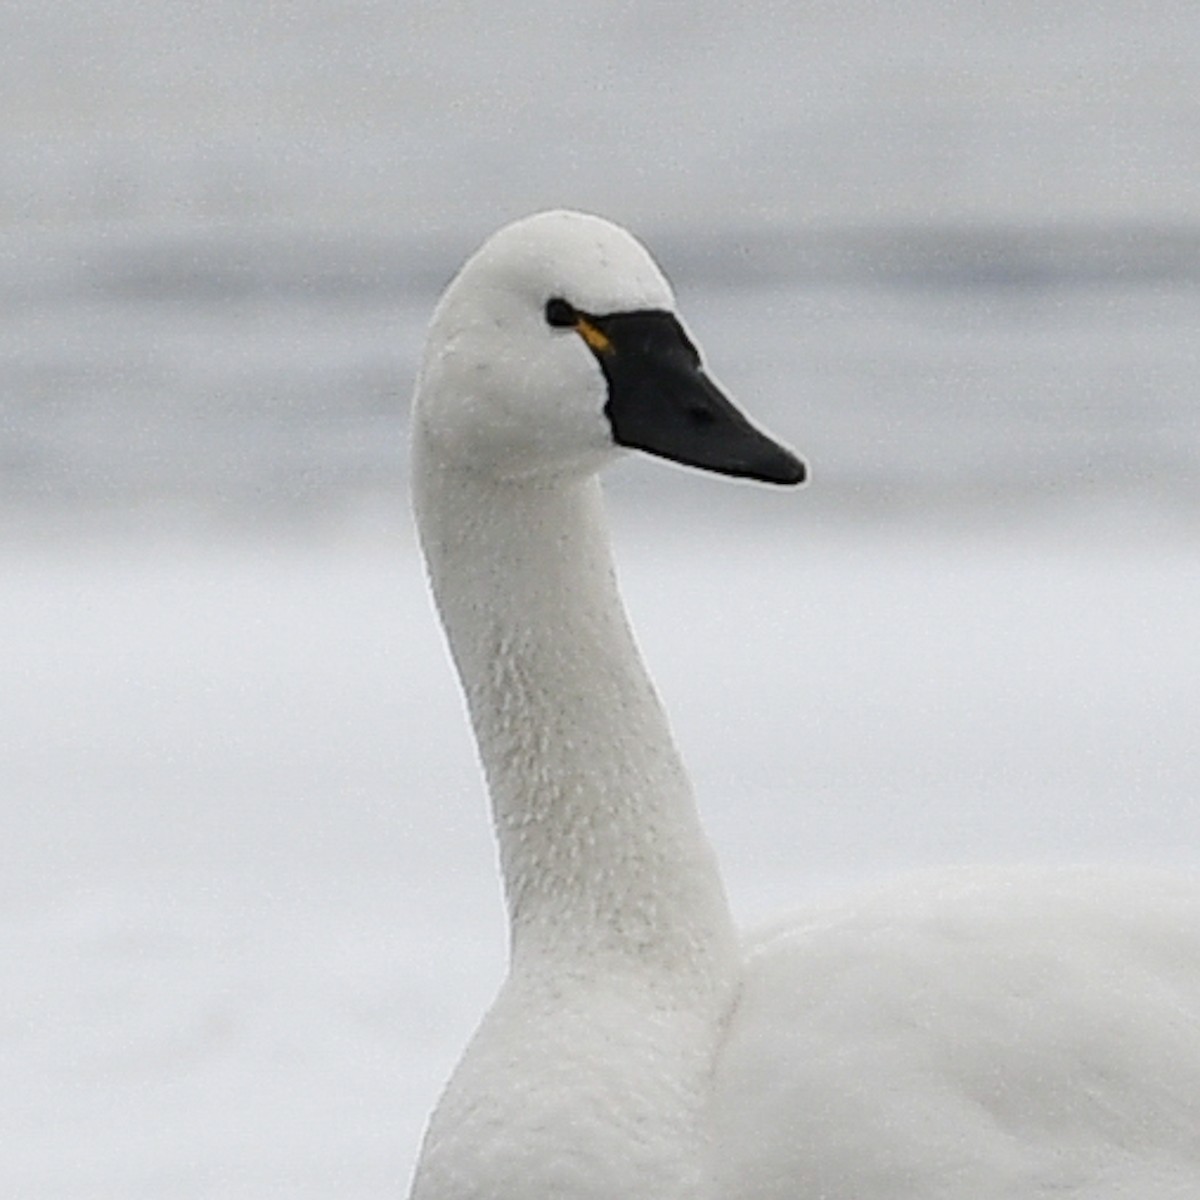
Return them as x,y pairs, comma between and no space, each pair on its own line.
952,253
925,370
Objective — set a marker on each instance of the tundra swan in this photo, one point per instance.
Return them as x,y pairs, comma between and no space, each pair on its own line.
975,1035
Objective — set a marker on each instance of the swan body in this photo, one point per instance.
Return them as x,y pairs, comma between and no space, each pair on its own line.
982,1035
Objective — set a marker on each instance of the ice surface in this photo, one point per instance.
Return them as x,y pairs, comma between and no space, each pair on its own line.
250,910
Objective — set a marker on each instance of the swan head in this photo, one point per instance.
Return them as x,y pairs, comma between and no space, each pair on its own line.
557,346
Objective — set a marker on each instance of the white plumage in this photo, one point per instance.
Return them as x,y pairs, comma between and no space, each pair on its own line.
982,1034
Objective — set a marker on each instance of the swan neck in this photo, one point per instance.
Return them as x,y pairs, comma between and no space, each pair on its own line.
600,843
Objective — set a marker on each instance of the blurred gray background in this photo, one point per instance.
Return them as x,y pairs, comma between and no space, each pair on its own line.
946,249
950,252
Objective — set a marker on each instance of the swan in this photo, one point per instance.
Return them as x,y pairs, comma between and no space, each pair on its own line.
974,1034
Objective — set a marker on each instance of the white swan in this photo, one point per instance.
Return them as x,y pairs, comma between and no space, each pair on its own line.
977,1035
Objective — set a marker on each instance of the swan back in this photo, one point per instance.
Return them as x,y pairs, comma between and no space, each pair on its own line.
992,1033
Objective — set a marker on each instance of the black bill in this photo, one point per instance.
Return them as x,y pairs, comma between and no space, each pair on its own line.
660,400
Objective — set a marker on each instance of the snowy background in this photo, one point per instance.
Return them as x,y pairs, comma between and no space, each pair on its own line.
248,910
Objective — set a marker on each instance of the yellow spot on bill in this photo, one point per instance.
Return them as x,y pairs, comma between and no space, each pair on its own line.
598,341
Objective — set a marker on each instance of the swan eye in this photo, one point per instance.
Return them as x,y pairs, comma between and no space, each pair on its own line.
560,314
